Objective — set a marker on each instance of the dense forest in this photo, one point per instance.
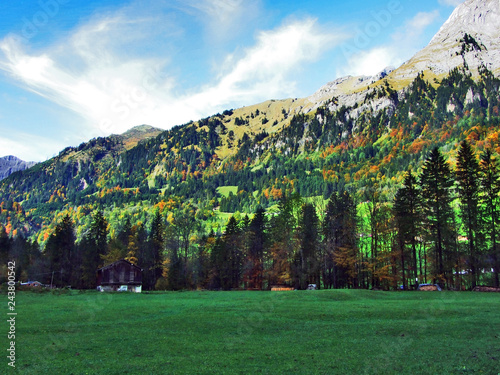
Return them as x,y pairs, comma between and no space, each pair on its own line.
423,236
223,202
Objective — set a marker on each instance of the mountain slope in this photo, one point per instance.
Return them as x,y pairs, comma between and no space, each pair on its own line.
10,164
345,136
470,36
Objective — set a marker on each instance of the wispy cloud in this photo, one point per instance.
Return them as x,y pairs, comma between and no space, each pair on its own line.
266,67
404,42
420,22
99,73
224,18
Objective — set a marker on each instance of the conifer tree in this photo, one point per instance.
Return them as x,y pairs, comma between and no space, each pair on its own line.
203,264
467,174
489,178
254,276
332,237
93,245
220,259
408,216
437,193
341,217
233,241
307,258
283,227
5,244
152,259
60,250
124,233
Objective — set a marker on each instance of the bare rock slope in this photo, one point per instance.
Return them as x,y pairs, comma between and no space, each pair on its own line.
469,38
10,164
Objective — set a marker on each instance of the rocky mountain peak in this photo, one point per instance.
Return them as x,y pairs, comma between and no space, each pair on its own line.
474,17
10,164
470,37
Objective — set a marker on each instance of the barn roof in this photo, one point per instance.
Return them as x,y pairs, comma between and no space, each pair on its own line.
118,262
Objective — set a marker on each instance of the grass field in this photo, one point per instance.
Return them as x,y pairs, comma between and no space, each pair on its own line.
301,332
225,190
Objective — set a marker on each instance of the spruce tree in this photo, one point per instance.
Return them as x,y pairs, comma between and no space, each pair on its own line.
339,242
309,270
489,179
93,245
233,242
408,216
256,247
437,194
332,226
152,262
5,245
467,174
282,231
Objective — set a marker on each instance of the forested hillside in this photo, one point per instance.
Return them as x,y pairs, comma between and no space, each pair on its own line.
325,193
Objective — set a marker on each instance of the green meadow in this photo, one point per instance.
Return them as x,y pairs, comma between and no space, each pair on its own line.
297,332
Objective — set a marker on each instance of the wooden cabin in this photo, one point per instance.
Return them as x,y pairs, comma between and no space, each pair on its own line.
120,276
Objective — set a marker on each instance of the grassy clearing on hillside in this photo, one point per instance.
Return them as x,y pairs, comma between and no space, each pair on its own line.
225,190
301,332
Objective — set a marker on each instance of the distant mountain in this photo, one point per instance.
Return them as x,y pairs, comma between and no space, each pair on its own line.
115,144
10,164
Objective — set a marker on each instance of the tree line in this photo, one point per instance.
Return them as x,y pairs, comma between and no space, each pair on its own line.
440,228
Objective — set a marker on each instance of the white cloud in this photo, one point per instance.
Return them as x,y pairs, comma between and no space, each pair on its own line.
404,43
22,146
218,11
453,3
423,19
263,71
372,61
97,73
224,19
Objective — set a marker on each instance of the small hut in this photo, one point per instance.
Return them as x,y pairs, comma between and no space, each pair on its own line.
120,276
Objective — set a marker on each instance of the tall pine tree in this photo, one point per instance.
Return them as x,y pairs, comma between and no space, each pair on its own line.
308,270
153,256
340,263
93,246
490,207
437,192
254,275
408,216
467,174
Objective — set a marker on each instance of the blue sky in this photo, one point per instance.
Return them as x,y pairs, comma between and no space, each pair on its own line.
73,70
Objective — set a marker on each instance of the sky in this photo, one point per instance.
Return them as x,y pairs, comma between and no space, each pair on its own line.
73,70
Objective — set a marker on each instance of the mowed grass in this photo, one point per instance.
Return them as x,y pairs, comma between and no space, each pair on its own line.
301,332
225,190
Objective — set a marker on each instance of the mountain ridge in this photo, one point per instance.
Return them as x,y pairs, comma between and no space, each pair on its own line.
10,164
355,133
449,48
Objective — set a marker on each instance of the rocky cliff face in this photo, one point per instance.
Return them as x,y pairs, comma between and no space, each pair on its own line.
470,37
10,164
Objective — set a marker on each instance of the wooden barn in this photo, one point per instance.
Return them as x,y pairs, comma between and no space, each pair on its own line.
120,276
